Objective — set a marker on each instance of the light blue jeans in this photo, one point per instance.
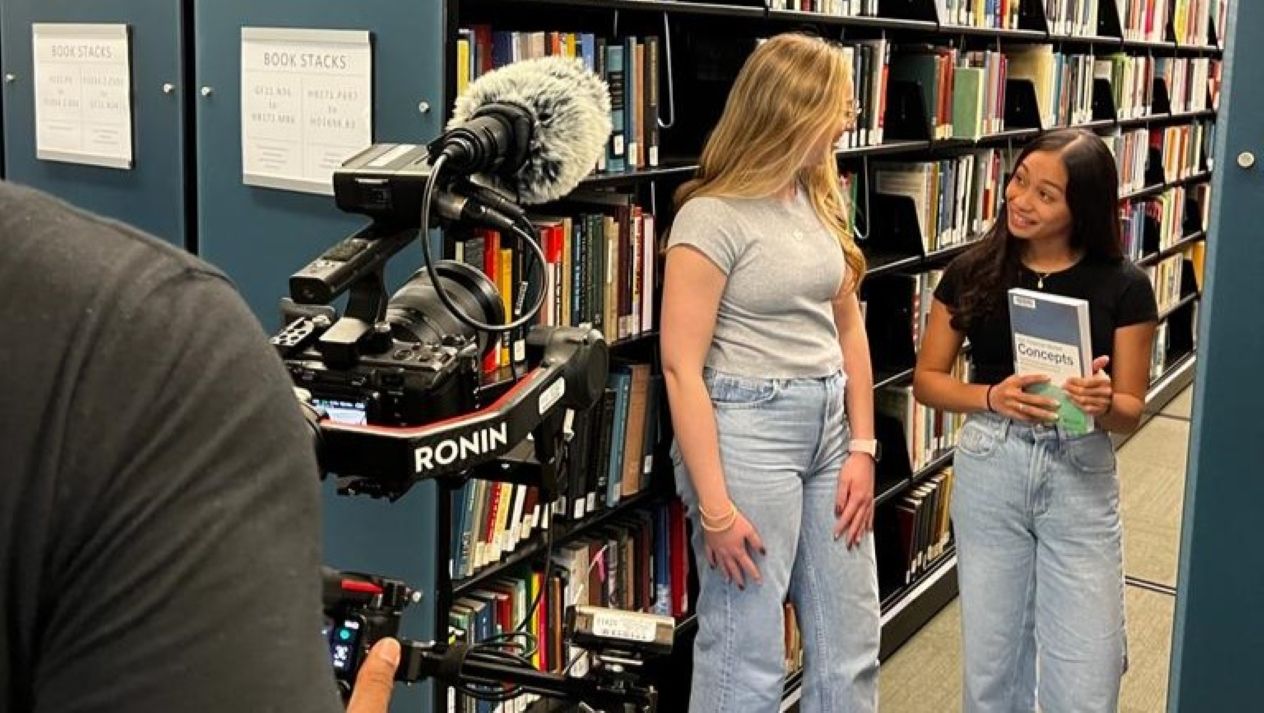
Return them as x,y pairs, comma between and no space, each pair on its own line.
782,445
1040,566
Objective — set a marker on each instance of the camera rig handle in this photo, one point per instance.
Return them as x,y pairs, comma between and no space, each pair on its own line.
361,609
602,690
569,367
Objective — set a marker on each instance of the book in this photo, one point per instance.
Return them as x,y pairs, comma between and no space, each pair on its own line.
1051,337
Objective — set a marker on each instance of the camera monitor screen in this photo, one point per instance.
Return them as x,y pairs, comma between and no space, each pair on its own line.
343,410
344,642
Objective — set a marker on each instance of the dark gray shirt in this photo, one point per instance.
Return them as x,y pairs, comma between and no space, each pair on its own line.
159,531
783,268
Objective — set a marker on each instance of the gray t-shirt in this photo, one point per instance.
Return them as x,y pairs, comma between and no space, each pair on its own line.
784,268
159,520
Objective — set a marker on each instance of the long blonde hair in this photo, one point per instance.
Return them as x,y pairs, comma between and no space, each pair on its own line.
791,93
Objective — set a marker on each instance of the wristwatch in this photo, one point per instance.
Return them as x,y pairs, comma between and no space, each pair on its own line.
869,446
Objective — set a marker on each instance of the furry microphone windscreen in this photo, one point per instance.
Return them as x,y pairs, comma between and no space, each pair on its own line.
570,108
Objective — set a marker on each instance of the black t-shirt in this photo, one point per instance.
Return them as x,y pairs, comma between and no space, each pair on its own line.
159,508
1118,293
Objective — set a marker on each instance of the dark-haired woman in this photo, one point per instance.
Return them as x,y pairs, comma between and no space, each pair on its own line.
1035,510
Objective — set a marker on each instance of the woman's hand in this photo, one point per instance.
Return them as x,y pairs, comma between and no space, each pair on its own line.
1010,399
733,550
853,504
1093,394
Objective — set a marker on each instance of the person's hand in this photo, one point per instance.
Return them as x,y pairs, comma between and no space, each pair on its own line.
376,679
733,550
1010,399
853,504
1093,394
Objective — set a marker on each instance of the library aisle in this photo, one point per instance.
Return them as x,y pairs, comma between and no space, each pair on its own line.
925,675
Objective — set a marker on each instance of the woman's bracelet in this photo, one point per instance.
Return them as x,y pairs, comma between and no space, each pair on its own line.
988,398
720,527
717,523
710,516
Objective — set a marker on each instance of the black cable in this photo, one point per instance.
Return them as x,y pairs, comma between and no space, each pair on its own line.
492,691
548,562
427,199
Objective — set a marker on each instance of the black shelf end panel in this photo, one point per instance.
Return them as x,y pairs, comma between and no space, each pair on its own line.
1162,390
906,612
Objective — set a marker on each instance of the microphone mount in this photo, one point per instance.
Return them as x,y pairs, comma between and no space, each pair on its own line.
495,139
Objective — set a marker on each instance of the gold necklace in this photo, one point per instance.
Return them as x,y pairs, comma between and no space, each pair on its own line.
1040,278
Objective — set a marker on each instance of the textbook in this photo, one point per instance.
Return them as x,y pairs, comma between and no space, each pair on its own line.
1052,337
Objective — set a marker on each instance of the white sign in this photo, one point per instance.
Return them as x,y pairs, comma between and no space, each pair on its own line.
306,105
83,94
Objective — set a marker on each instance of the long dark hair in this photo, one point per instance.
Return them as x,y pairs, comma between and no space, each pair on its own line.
1092,195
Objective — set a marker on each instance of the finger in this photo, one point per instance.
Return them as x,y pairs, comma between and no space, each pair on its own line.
1032,413
857,529
840,500
869,524
710,556
749,567
1029,379
755,542
373,684
727,567
1076,387
851,514
1035,406
1036,399
1087,405
1018,413
1039,402
1100,363
735,570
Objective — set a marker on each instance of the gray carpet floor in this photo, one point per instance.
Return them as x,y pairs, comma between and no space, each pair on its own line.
924,676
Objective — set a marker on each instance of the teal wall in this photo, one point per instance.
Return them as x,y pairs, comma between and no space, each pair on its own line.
1218,647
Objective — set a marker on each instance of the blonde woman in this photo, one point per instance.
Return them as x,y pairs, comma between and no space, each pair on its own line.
771,392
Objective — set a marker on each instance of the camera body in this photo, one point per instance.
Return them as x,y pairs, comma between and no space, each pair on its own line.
402,362
393,382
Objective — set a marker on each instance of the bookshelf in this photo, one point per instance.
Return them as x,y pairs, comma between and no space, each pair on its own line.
704,44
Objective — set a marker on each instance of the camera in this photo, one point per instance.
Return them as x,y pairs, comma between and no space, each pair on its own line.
417,365
396,382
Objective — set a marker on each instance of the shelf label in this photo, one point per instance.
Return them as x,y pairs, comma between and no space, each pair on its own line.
83,93
306,105
613,625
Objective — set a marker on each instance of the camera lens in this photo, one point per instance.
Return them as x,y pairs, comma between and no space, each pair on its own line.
417,315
